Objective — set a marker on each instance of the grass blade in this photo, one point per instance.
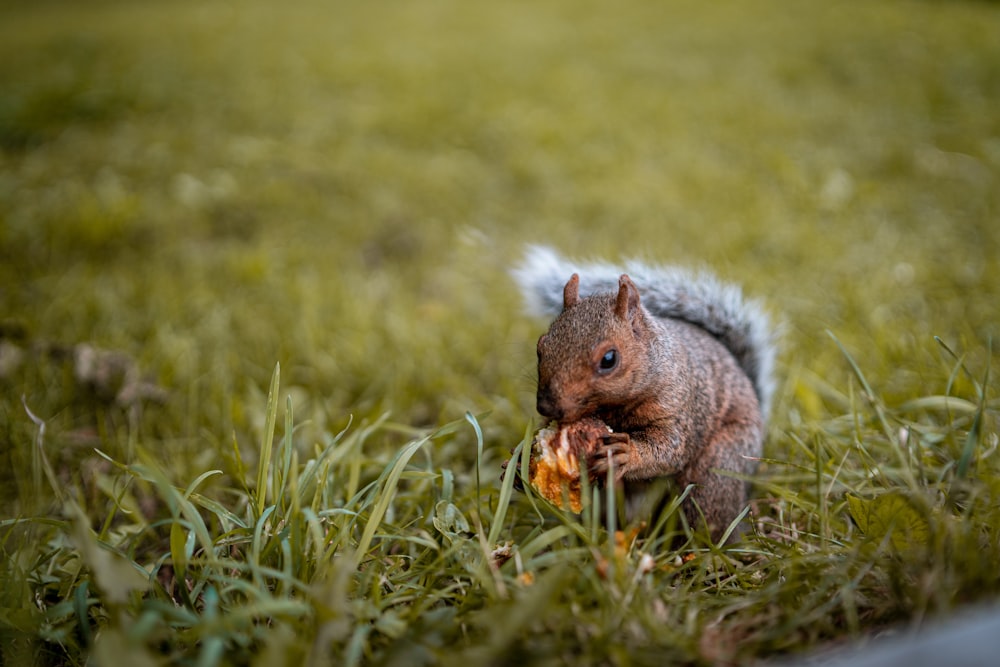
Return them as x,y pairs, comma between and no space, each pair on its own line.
387,491
974,437
267,444
479,452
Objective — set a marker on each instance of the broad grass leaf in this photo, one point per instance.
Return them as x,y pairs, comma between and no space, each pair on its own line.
267,444
893,515
450,522
390,624
113,647
114,575
281,646
178,554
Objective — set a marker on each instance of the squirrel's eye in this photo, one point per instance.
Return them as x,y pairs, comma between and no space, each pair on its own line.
609,360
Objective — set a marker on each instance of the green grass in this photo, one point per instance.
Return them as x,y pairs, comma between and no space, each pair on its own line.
211,191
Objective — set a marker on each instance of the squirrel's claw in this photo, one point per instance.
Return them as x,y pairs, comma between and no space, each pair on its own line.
615,453
518,482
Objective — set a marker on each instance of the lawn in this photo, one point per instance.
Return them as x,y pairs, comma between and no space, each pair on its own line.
261,357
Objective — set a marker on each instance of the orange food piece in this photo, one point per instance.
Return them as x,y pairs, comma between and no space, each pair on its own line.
554,467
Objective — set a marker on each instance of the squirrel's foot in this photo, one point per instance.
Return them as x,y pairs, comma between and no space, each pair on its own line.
612,453
518,483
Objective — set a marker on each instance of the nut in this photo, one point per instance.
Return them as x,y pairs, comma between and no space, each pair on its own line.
554,466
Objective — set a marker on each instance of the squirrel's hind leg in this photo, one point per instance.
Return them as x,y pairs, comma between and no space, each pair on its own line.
720,491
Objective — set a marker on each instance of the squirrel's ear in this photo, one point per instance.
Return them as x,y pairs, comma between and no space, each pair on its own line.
628,298
571,293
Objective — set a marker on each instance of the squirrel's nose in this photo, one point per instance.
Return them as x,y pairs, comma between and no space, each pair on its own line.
547,406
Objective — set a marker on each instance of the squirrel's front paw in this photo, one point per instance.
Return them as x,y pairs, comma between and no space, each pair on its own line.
511,465
612,453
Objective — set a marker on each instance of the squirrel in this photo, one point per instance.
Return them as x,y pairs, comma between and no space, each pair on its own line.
678,364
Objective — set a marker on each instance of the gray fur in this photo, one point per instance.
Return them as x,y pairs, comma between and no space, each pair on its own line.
700,298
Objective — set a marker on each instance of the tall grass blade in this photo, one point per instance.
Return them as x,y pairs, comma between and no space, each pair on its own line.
974,437
479,453
267,444
387,492
39,461
507,490
280,478
198,480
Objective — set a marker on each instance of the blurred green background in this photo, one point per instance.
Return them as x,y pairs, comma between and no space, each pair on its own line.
214,187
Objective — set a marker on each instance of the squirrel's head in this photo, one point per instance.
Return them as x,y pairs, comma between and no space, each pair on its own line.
594,354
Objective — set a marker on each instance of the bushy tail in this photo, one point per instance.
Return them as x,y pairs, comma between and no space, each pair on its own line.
696,297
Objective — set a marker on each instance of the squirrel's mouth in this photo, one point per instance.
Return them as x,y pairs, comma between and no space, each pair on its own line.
563,414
